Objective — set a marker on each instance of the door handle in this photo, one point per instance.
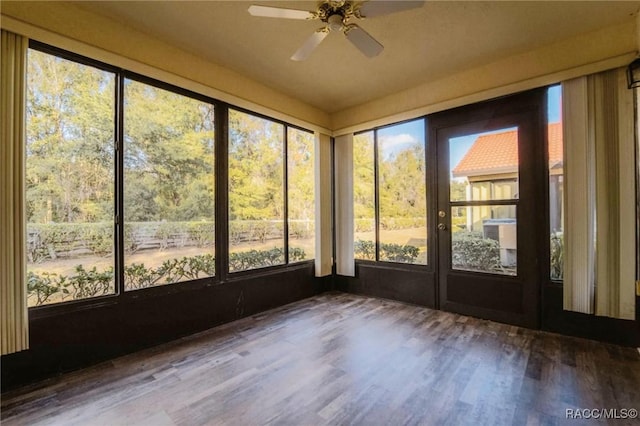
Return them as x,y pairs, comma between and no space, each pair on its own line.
442,226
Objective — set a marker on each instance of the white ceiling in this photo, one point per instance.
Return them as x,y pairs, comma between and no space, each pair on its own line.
440,38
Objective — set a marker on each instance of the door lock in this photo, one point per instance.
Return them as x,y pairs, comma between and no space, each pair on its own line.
442,226
441,213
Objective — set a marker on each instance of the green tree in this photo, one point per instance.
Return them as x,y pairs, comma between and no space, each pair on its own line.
256,183
70,141
301,180
169,158
402,184
363,176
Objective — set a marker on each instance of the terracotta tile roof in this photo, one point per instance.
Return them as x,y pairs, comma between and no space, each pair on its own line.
498,153
556,154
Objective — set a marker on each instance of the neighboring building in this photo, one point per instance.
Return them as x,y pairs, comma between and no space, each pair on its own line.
490,171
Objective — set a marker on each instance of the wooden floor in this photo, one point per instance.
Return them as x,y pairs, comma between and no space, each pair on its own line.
343,359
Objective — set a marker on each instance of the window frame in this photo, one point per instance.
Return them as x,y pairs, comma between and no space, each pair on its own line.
221,197
120,143
429,182
285,174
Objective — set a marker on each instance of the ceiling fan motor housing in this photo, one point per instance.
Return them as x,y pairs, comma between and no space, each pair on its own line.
335,22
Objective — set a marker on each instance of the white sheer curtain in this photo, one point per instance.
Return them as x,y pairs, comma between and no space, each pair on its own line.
600,195
324,238
345,263
13,299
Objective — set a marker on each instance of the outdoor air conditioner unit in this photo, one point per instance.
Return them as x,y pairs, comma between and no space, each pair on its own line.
505,232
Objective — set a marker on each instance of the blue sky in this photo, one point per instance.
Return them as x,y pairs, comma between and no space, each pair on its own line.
394,139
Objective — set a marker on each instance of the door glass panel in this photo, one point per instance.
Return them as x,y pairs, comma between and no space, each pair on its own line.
484,166
484,239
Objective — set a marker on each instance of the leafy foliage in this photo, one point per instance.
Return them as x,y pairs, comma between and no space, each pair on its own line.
365,250
137,276
398,253
469,250
169,180
401,192
388,252
84,283
43,288
557,256
69,141
51,240
88,283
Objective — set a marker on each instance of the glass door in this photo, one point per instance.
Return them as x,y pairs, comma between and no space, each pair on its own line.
486,228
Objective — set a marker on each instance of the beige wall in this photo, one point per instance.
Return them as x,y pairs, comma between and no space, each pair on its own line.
585,54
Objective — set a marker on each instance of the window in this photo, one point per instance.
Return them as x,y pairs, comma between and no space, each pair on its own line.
402,193
168,187
70,152
256,192
556,185
301,195
364,196
390,180
121,184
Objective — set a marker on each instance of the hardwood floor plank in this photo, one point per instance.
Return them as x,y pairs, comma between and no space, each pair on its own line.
343,359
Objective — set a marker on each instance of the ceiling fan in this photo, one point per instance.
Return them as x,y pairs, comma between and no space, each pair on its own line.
337,14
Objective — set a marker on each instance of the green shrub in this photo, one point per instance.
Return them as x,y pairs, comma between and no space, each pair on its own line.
364,250
388,252
90,283
201,233
255,259
50,241
173,270
470,250
399,253
301,229
42,287
557,256
296,254
392,223
58,239
254,230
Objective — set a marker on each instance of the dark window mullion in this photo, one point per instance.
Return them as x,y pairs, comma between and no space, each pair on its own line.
376,193
286,193
221,221
506,202
119,184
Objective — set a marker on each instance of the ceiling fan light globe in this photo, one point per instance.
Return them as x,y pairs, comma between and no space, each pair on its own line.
335,22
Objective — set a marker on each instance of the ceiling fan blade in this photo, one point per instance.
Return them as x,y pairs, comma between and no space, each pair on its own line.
310,45
374,8
277,12
363,41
